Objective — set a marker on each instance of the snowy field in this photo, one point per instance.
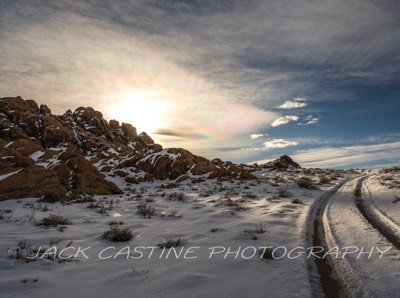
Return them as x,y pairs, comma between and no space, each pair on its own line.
384,191
208,239
234,239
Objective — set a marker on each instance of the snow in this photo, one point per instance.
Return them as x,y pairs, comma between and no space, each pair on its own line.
207,222
35,156
154,156
49,163
367,268
226,225
6,146
5,176
112,151
385,195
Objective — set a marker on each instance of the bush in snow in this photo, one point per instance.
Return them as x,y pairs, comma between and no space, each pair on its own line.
118,234
297,201
324,179
145,210
178,196
305,182
284,193
171,243
53,221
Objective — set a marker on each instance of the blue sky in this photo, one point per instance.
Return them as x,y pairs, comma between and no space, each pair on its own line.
240,80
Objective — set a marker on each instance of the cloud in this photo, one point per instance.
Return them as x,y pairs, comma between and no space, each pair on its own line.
199,57
257,135
264,52
291,105
105,55
309,120
362,155
178,133
279,143
284,120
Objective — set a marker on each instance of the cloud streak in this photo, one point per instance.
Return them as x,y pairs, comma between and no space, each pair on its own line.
360,155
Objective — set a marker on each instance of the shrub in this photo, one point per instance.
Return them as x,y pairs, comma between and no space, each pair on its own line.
178,196
22,251
5,214
279,179
284,193
145,210
297,201
46,208
53,221
118,234
173,213
249,194
396,199
237,204
25,252
258,230
32,280
324,179
171,243
116,223
101,210
305,182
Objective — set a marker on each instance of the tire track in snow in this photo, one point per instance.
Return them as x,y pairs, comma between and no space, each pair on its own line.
339,277
322,274
375,218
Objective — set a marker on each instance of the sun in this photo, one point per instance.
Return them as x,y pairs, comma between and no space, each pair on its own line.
143,108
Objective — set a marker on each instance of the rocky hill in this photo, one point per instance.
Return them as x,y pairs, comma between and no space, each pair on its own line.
283,162
56,157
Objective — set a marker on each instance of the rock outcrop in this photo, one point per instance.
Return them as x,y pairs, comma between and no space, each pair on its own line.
284,162
57,157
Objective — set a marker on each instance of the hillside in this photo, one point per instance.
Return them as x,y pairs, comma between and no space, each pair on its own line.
58,156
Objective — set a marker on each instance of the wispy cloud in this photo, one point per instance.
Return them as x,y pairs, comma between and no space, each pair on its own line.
292,105
349,156
284,120
388,153
310,119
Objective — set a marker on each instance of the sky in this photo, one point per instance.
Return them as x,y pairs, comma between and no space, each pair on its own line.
245,81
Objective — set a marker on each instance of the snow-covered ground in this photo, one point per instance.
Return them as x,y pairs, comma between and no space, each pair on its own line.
384,192
370,268
224,227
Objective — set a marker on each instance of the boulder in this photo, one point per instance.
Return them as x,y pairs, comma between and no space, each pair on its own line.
129,131
31,181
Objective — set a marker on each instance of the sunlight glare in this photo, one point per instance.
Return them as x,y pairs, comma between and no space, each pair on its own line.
143,108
